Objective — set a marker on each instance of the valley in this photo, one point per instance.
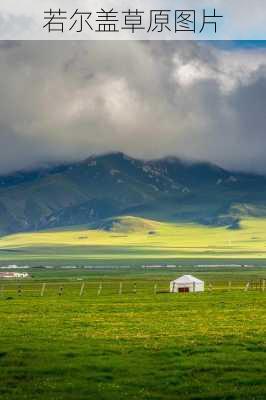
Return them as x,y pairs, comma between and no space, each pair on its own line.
135,241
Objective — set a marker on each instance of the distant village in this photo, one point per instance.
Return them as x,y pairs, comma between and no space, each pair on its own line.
14,275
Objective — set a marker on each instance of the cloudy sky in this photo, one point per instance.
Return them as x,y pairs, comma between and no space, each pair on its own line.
63,101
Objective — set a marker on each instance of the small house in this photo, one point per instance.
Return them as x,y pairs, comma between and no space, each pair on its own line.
186,283
13,275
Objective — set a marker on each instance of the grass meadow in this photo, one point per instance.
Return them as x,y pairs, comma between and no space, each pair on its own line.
112,330
136,240
130,343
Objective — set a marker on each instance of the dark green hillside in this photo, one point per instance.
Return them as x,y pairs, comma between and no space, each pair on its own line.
114,184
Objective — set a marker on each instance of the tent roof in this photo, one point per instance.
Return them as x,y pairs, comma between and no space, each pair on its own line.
187,279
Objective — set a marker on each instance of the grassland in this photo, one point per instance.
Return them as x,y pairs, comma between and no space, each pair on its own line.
132,345
137,240
120,339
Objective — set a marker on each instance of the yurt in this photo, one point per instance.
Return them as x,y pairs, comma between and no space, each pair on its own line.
186,283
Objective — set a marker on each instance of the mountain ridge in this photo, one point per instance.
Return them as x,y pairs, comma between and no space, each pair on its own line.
115,184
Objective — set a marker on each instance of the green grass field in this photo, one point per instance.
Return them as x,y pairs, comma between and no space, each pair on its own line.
139,345
120,339
135,240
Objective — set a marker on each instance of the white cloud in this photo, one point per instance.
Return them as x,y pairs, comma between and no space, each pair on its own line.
230,69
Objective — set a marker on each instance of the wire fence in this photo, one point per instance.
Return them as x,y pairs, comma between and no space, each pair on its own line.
110,288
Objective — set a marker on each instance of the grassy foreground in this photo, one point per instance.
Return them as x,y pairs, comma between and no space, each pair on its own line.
132,346
137,344
134,239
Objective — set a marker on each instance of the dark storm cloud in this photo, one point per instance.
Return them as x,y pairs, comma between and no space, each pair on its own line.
62,101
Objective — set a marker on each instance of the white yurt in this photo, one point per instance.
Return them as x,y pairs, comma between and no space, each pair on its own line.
186,283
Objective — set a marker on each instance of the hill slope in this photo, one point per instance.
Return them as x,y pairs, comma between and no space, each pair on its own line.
114,185
137,240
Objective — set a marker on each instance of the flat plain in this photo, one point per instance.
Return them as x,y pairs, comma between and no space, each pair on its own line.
126,342
104,328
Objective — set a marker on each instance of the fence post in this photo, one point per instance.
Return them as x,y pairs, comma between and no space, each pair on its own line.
19,291
43,289
99,289
120,288
229,285
246,287
263,285
135,288
155,288
82,289
61,289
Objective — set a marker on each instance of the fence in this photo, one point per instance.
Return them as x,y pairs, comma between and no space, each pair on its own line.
104,288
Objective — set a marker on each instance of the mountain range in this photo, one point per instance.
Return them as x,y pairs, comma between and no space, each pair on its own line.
103,187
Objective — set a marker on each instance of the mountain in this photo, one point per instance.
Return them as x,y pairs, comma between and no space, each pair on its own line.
112,185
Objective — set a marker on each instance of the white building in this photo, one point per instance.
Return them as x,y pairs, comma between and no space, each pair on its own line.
186,283
13,275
